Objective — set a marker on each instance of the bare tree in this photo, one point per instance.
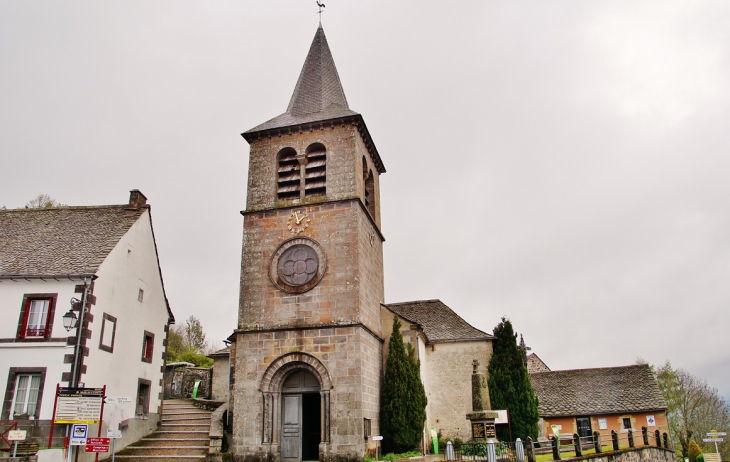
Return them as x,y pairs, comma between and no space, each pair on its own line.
43,201
694,408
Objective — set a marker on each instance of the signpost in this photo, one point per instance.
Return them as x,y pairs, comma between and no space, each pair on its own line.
714,437
376,439
16,435
118,400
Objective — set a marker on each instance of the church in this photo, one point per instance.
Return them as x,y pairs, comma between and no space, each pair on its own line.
308,353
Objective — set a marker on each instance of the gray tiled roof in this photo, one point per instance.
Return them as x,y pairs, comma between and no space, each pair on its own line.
439,322
610,390
318,94
61,241
222,353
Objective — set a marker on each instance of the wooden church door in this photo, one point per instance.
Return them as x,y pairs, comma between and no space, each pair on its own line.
300,418
291,428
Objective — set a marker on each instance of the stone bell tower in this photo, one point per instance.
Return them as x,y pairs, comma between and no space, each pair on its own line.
306,356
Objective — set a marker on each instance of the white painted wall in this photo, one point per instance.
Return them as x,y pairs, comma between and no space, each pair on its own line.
130,266
37,354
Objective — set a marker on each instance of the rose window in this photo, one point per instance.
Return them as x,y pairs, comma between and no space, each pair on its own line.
298,265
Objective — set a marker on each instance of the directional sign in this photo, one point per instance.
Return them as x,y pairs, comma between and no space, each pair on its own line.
713,440
377,438
118,400
97,441
111,433
16,435
717,434
97,448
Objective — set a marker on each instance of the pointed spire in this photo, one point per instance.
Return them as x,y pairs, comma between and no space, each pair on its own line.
319,84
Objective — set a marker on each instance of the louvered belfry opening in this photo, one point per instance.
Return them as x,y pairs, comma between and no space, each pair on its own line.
288,183
315,178
367,176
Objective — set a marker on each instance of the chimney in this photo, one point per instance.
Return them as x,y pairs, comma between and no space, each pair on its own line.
136,199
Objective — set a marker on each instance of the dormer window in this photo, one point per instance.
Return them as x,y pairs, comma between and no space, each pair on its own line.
288,175
300,176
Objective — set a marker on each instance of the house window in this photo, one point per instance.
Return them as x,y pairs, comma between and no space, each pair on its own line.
108,332
36,316
147,344
25,401
140,296
627,423
143,397
23,393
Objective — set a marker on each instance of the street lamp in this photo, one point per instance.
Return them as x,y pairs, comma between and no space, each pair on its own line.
69,319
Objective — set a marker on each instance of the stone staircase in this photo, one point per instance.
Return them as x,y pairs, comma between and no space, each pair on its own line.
182,436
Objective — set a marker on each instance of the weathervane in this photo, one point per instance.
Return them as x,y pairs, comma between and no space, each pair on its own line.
320,5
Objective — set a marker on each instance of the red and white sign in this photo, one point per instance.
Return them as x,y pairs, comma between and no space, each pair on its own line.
97,441
97,448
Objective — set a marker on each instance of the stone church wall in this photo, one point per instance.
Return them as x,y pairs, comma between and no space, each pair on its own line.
351,356
342,174
448,384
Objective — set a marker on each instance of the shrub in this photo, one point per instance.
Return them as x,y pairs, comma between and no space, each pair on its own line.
694,451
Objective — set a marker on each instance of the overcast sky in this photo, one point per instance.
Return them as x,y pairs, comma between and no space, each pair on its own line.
564,164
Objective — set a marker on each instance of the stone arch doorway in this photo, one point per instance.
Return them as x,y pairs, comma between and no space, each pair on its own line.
296,393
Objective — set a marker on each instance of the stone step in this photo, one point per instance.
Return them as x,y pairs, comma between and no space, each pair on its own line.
195,434
176,441
128,458
185,428
166,450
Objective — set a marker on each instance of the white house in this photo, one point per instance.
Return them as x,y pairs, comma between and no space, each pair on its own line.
46,258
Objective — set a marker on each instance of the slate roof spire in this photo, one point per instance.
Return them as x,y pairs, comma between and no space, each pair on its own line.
319,84
318,94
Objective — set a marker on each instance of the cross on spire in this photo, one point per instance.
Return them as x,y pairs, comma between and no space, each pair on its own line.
320,5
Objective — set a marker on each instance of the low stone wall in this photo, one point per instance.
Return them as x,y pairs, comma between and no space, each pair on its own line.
642,454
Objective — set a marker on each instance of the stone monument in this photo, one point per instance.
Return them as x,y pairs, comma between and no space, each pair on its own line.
482,417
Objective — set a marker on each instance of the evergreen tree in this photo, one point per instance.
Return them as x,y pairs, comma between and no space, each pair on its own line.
402,399
510,386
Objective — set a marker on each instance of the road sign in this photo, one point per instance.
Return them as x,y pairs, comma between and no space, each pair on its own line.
96,448
16,435
118,400
78,434
377,438
713,440
716,434
111,433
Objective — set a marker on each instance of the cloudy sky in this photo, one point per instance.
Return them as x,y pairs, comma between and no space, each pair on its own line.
564,164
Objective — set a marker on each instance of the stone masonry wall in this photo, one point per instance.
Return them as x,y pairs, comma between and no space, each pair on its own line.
448,384
343,164
642,454
338,298
351,357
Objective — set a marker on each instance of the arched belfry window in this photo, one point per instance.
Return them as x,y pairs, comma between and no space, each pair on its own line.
367,175
288,180
315,177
